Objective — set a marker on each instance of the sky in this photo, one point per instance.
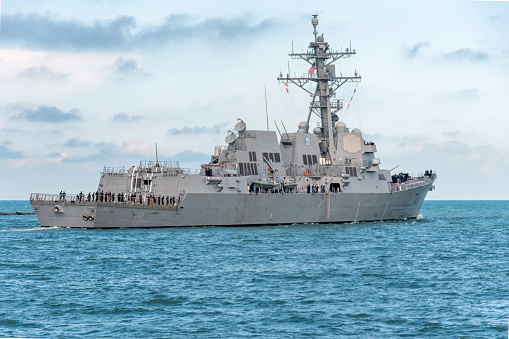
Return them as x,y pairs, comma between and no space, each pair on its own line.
93,83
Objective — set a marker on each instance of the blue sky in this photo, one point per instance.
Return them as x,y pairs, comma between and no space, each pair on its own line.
93,83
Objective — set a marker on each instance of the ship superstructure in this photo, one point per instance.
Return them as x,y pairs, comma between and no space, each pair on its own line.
328,175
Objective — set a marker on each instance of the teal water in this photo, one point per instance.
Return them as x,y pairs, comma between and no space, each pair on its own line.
444,276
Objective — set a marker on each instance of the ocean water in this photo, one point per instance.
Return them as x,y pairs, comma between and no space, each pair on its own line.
444,276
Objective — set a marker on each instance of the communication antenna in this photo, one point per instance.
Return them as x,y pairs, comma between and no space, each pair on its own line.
285,130
157,158
280,135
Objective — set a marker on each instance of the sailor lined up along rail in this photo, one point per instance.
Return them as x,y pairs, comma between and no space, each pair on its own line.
402,181
110,197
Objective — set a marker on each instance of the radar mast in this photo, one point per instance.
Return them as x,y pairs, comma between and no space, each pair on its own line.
321,59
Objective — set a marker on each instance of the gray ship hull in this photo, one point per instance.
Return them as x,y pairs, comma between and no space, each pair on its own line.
244,210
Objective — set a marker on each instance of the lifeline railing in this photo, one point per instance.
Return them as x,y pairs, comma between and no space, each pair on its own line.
153,201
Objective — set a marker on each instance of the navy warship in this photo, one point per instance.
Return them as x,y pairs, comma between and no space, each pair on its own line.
327,175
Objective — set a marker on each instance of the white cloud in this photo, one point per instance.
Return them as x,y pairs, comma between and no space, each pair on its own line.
137,147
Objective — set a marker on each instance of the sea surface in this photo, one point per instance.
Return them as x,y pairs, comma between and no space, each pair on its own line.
445,276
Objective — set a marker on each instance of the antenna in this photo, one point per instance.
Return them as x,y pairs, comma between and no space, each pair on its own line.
266,110
314,22
285,130
281,136
157,158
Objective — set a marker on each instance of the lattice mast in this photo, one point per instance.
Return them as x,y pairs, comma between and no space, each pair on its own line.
327,83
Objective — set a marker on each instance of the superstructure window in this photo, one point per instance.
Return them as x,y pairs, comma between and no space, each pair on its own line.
274,157
248,168
351,171
309,159
252,156
137,182
254,169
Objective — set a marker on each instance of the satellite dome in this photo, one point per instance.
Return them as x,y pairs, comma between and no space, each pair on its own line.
302,125
317,130
357,131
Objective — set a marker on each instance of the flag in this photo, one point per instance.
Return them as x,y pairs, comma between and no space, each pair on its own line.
312,69
286,87
355,90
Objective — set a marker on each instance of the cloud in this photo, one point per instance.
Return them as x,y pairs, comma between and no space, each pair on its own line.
449,148
6,153
78,143
412,52
36,31
49,114
42,73
191,157
129,151
470,93
47,32
216,129
126,67
75,142
137,147
123,117
463,96
105,154
466,54
177,27
451,133
57,157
